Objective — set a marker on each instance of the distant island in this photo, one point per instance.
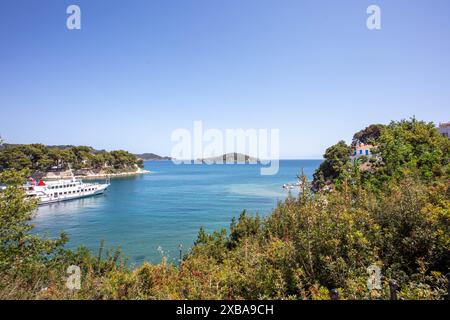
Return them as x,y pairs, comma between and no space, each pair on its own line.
152,157
231,158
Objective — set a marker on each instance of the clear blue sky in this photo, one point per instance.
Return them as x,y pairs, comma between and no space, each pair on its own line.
137,70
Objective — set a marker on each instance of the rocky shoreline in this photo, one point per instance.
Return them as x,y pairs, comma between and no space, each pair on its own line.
92,175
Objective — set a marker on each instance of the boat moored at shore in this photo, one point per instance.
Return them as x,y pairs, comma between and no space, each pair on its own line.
63,190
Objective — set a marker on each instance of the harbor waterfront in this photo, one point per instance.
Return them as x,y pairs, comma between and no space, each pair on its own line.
149,216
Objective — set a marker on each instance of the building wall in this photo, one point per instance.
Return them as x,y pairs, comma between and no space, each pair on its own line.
362,150
444,129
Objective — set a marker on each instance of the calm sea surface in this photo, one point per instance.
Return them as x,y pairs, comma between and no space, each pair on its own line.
150,215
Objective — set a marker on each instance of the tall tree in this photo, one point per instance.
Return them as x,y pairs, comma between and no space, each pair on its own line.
20,250
337,159
368,135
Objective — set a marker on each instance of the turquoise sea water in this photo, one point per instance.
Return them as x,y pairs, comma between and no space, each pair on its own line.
150,215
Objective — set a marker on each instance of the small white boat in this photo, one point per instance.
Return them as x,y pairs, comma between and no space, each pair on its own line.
62,190
290,186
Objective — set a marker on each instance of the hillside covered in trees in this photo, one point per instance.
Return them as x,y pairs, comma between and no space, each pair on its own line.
152,157
38,158
405,148
395,216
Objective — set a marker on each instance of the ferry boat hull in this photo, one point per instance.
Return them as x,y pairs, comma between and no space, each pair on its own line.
49,200
63,190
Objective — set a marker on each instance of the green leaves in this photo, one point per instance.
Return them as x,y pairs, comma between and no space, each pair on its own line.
335,165
19,249
412,147
40,158
403,148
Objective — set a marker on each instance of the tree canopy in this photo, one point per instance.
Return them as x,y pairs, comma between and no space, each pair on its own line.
400,148
368,135
40,158
337,160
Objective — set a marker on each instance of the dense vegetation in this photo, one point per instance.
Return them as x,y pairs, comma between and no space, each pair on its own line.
395,215
152,157
40,158
406,148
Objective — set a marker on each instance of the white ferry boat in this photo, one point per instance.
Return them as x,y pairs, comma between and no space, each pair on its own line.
62,190
289,186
